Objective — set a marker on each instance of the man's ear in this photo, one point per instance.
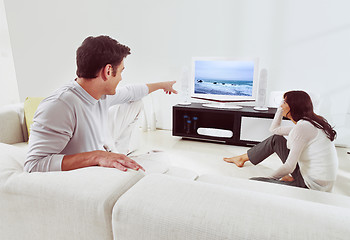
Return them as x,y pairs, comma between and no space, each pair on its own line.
106,72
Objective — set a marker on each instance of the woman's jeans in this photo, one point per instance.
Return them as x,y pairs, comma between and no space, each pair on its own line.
274,144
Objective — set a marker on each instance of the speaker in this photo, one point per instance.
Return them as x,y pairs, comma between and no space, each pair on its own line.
185,87
261,98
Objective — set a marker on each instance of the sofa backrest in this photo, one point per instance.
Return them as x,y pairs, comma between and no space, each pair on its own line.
12,124
164,207
278,190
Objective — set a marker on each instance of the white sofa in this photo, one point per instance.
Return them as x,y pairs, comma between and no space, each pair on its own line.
102,203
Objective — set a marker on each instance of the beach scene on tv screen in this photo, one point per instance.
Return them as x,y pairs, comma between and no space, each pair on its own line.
224,77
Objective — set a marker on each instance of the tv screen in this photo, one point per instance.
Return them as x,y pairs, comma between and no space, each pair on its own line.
224,79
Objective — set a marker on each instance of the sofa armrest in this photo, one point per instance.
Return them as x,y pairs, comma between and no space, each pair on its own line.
59,205
12,124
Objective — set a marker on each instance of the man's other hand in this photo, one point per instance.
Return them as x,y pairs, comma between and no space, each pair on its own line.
99,158
115,160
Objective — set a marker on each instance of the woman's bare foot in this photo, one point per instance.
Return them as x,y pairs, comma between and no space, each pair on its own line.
287,178
238,160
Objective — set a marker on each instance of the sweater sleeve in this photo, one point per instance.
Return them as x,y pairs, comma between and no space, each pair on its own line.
302,134
130,93
53,127
276,127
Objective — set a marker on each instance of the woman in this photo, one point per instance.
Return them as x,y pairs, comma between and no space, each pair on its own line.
308,155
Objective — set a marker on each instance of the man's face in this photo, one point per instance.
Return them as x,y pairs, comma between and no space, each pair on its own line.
115,78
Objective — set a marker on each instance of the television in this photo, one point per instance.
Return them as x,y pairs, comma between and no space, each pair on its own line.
224,79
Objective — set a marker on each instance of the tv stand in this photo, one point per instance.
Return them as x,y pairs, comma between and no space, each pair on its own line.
222,105
244,126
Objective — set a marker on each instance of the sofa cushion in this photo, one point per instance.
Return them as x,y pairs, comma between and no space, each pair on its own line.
10,124
157,161
11,159
153,161
30,106
278,190
58,205
182,173
164,207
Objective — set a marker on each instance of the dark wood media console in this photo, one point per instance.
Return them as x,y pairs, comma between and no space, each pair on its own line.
187,119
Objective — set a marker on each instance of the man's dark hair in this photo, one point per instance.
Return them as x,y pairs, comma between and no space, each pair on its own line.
96,52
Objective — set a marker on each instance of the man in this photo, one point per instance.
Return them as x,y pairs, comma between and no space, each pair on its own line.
70,128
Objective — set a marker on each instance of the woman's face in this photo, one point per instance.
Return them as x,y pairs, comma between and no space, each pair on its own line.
285,109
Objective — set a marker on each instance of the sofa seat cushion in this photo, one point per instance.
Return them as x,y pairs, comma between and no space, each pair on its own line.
278,190
23,145
12,158
165,207
153,161
59,205
182,173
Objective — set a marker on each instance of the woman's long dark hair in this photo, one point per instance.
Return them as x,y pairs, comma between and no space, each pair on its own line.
301,107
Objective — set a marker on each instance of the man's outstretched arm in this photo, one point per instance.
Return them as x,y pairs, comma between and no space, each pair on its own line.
166,86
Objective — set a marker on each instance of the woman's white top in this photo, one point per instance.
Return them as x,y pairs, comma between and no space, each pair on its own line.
311,149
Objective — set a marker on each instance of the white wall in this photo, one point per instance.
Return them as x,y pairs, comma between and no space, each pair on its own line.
8,84
303,44
314,54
